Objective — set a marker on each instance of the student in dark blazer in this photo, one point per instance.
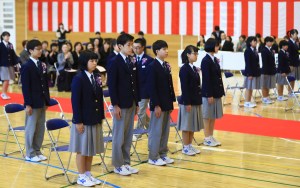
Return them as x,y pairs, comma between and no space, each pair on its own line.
124,95
190,113
283,69
8,59
275,46
114,52
293,50
88,112
212,91
52,59
252,71
162,96
36,99
268,70
143,60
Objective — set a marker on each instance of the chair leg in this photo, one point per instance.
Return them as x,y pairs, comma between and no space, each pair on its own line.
7,134
48,161
138,156
20,148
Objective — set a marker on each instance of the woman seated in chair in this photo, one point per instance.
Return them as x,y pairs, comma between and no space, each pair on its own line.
64,61
88,111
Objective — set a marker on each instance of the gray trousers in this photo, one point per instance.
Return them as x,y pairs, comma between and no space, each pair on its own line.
143,120
34,132
122,136
158,135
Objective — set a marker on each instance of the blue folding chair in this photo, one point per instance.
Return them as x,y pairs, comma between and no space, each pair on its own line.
229,77
10,109
53,125
294,94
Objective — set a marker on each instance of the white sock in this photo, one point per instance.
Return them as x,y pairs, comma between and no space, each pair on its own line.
81,175
88,173
186,146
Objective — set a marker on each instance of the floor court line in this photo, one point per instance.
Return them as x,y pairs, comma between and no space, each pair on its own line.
288,140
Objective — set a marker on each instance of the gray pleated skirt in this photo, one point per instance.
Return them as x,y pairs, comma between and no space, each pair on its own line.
190,121
212,111
89,143
7,73
281,80
296,72
267,81
252,84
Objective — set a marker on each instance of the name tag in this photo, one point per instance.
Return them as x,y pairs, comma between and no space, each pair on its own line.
134,68
143,66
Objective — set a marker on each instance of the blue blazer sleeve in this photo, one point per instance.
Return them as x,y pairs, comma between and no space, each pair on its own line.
113,83
247,57
206,76
185,81
25,79
152,89
76,98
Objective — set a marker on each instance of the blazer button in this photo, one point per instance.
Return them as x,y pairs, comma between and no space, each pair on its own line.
96,100
97,109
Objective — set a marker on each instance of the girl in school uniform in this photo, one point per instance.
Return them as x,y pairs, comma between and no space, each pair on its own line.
212,91
190,114
268,70
293,50
252,71
283,69
8,59
88,112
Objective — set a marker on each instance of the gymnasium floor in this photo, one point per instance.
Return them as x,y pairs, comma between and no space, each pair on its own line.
260,148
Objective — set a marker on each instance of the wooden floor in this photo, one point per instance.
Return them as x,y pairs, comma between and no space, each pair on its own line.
243,160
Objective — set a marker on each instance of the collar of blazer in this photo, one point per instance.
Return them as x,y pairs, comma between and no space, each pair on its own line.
88,82
32,64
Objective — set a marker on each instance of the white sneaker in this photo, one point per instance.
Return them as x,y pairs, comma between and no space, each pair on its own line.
209,142
33,159
195,149
167,160
292,95
188,151
158,162
282,98
249,105
4,96
122,171
42,157
132,170
85,181
266,101
95,180
217,142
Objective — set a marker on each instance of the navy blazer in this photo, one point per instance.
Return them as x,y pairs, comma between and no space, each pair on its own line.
142,67
109,58
122,83
160,87
34,85
8,56
87,104
252,67
283,63
212,84
190,86
268,62
293,54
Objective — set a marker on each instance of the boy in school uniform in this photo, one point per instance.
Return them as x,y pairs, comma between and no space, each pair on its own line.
162,96
124,95
36,99
143,61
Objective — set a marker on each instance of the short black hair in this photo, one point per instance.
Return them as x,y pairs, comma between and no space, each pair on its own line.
122,32
210,45
124,38
258,35
243,36
188,50
5,33
217,28
140,41
78,43
269,39
159,44
84,58
141,33
24,42
97,33
86,45
250,39
53,44
32,44
292,32
283,43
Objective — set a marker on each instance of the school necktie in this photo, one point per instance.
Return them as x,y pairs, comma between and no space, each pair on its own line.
138,59
255,51
195,69
127,62
39,65
93,83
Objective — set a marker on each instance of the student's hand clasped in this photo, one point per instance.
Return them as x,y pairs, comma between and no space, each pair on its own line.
157,111
210,100
117,112
80,128
250,77
188,108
